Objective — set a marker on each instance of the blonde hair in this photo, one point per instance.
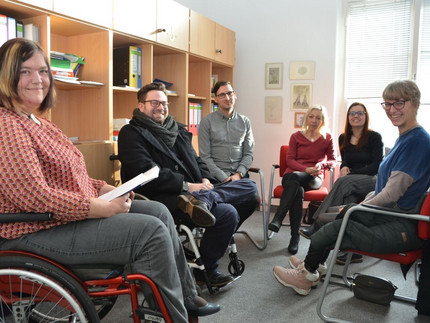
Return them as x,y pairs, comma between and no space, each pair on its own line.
324,121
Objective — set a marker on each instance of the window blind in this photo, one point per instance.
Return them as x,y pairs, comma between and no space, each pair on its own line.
423,72
378,46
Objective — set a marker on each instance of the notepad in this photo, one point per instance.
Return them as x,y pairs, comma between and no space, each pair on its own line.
132,184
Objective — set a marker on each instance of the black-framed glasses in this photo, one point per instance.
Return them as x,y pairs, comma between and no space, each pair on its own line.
224,95
357,113
398,105
156,103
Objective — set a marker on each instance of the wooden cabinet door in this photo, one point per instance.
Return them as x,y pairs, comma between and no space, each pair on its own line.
45,4
202,35
97,12
136,17
172,24
225,43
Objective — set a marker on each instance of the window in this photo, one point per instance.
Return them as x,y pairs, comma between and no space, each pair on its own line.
381,47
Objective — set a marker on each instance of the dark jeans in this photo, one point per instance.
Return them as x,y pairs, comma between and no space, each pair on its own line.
231,204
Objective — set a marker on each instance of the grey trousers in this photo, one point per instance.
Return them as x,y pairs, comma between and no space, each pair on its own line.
347,189
144,241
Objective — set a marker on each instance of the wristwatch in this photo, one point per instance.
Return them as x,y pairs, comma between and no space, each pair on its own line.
241,175
185,186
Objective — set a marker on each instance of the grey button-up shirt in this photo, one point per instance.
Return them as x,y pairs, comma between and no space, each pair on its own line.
226,145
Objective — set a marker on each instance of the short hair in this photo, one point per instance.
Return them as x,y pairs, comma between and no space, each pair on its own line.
365,133
13,53
218,85
402,89
154,86
324,121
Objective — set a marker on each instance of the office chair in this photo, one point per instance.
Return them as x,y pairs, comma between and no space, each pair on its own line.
311,195
405,258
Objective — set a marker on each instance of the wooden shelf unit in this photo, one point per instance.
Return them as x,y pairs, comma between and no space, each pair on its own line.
87,111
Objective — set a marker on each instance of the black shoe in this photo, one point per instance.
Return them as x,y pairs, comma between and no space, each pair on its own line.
199,307
307,232
293,247
356,258
216,278
197,210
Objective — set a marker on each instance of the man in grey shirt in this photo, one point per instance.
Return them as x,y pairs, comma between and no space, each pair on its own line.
226,142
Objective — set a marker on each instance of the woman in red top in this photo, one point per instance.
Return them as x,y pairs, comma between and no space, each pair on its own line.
310,152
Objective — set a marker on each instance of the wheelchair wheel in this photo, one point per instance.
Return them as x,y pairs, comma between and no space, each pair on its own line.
236,267
32,290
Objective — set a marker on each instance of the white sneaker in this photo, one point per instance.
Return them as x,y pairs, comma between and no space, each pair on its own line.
298,279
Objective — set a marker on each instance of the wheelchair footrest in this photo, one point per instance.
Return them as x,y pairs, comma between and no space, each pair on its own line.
149,315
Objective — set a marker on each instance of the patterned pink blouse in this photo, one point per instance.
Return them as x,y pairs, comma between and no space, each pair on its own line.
41,171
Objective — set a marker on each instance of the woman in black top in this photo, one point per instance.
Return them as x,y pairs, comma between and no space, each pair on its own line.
361,150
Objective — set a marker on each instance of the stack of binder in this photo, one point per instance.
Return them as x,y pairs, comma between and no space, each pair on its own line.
194,117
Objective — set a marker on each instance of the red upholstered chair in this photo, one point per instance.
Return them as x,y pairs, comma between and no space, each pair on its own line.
313,195
405,258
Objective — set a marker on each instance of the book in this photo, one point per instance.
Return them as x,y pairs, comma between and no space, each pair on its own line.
132,184
11,28
31,32
19,29
139,67
125,66
3,29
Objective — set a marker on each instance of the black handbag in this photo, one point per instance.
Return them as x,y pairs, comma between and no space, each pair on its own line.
373,289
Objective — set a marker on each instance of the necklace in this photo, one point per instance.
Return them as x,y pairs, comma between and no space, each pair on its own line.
31,116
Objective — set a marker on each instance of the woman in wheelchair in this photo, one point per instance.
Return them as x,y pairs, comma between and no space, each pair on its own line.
403,178
42,171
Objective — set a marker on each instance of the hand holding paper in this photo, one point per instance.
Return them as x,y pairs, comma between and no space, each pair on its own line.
135,182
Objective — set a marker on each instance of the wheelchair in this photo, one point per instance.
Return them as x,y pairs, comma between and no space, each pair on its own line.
190,237
37,289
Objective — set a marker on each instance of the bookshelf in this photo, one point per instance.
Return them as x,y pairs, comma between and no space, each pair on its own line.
165,37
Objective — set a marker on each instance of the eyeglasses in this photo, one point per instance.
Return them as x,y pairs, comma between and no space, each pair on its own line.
357,113
224,95
398,105
156,103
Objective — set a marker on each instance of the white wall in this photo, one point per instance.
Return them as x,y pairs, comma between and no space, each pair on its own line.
275,31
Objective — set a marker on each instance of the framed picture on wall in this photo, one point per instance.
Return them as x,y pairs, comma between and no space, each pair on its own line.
301,96
298,119
302,70
274,75
273,109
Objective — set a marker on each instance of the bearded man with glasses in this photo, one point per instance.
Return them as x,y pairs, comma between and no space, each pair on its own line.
185,184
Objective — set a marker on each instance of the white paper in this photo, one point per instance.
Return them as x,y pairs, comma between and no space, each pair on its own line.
130,185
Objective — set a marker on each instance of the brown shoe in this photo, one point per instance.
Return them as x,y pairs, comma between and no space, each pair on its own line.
197,210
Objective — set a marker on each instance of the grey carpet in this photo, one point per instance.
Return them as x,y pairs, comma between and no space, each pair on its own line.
257,297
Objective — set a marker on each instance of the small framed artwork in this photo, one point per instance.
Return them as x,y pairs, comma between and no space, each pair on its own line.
298,119
274,75
301,96
302,70
273,109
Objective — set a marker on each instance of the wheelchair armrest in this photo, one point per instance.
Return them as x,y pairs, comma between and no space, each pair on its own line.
254,170
24,217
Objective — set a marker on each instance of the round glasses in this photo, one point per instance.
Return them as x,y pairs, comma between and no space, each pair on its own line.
357,113
398,105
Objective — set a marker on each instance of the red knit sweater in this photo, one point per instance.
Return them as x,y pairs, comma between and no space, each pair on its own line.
41,171
303,153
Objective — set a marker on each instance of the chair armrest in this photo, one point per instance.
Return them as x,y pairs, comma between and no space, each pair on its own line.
113,157
275,166
254,169
386,211
24,217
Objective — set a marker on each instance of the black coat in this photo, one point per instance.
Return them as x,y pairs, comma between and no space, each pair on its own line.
139,150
